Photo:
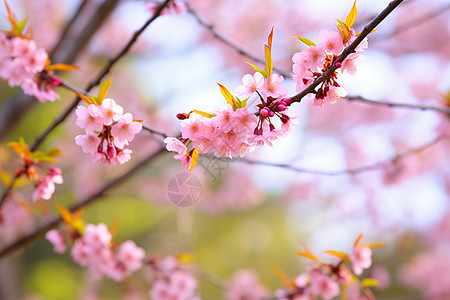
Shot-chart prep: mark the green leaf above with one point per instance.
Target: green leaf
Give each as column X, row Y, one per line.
column 17, row 30
column 258, row 69
column 241, row 103
column 368, row 282
column 53, row 152
column 306, row 41
column 351, row 16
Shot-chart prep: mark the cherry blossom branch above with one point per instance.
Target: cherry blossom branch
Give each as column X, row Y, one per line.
column 354, row 171
column 40, row 230
column 99, row 77
column 62, row 117
column 229, row 43
column 348, row 50
column 361, row 99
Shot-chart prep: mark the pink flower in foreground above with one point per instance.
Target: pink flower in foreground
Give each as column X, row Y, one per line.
column 322, row 285
column 331, row 42
column 361, row 258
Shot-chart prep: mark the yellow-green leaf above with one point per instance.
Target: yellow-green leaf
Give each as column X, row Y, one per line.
column 351, row 16
column 53, row 152
column 5, row 178
column 230, row 99
column 194, row 159
column 11, row 17
column 269, row 62
column 338, row 254
column 308, row 255
column 19, row 148
column 63, row 67
column 114, row 229
column 360, row 237
column 201, row 113
column 83, row 97
column 65, row 214
column 269, row 39
column 306, row 41
column 376, row 245
column 258, row 69
column 104, row 87
column 368, row 282
column 284, row 279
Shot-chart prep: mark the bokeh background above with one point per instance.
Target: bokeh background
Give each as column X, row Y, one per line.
column 248, row 215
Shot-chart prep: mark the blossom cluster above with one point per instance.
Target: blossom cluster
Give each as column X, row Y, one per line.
column 108, row 131
column 33, row 169
column 324, row 279
column 171, row 281
column 317, row 59
column 173, row 8
column 236, row 130
column 45, row 186
column 24, row 64
column 95, row 250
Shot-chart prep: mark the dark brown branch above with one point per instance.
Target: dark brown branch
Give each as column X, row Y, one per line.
column 224, row 40
column 444, row 110
column 348, row 50
column 39, row 231
column 354, row 171
column 66, row 29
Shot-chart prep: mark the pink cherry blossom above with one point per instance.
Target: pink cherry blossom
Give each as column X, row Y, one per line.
column 250, row 84
column 273, row 87
column 88, row 142
column 245, row 284
column 111, row 111
column 361, row 258
column 45, row 93
column 125, row 129
column 90, row 118
column 322, row 285
column 57, row 240
column 331, row 42
column 350, row 64
column 46, row 187
column 127, row 260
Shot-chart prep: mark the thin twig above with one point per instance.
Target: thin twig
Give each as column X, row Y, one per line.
column 40, row 230
column 348, row 50
column 361, row 99
column 66, row 29
column 415, row 22
column 354, row 171
column 226, row 41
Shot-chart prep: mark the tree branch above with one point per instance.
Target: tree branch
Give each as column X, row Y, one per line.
column 361, row 99
column 100, row 193
column 354, row 171
column 348, row 50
